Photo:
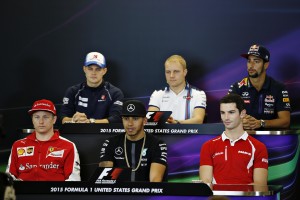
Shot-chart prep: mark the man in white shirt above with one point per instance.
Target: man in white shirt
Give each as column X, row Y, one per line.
column 186, row 102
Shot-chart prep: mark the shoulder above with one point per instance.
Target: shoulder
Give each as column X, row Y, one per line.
column 116, row 138
column 195, row 89
column 154, row 139
column 275, row 83
column 160, row 91
column 214, row 140
column 75, row 88
column 20, row 141
column 255, row 141
column 112, row 87
column 66, row 141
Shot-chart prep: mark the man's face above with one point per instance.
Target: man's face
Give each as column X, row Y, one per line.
column 94, row 75
column 43, row 121
column 230, row 115
column 175, row 74
column 255, row 66
column 134, row 126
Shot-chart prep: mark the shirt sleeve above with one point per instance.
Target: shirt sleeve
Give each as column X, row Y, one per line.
column 200, row 99
column 107, row 152
column 116, row 107
column 155, row 99
column 283, row 102
column 160, row 153
column 233, row 89
column 68, row 106
column 72, row 165
column 261, row 157
column 205, row 154
column 12, row 164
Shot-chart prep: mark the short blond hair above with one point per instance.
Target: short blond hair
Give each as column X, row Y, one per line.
column 176, row 58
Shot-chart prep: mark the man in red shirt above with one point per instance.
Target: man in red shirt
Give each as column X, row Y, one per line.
column 234, row 157
column 44, row 155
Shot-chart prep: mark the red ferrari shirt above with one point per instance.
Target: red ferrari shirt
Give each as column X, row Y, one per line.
column 54, row 160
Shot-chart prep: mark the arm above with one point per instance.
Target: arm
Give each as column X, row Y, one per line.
column 153, row 108
column 78, row 117
column 72, row 165
column 282, row 121
column 107, row 154
column 198, row 109
column 157, row 172
column 260, row 176
column 11, row 168
column 197, row 117
column 116, row 107
column 68, row 107
column 206, row 173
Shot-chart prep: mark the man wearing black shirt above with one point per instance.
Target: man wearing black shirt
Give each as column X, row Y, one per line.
column 144, row 153
column 266, row 100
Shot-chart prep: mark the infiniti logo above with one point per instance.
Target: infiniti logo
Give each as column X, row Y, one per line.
column 118, row 151
column 245, row 94
column 130, row 108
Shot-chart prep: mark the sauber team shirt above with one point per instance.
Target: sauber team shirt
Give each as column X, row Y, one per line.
column 265, row 104
column 234, row 161
column 53, row 160
column 102, row 102
column 155, row 151
column 181, row 105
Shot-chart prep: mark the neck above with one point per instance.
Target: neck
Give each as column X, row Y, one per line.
column 235, row 133
column 136, row 137
column 94, row 85
column 44, row 136
column 178, row 89
column 258, row 82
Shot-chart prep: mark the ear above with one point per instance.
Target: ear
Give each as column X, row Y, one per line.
column 185, row 71
column 104, row 70
column 266, row 65
column 243, row 113
column 54, row 119
column 145, row 120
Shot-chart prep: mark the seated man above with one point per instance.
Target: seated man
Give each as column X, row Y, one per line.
column 186, row 102
column 44, row 155
column 266, row 100
column 144, row 153
column 234, row 157
column 94, row 100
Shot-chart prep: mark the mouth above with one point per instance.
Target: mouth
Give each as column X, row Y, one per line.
column 227, row 123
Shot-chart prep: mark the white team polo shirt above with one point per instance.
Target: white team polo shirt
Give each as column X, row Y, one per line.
column 181, row 105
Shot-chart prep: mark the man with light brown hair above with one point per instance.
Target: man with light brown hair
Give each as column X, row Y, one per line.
column 186, row 102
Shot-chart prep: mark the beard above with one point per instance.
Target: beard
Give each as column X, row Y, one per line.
column 253, row 75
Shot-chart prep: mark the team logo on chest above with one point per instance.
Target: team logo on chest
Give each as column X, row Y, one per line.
column 118, row 151
column 55, row 152
column 25, row 151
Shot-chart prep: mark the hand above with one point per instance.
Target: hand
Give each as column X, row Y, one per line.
column 80, row 118
column 250, row 122
column 171, row 120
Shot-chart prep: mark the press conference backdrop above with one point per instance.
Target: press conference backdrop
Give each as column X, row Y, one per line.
column 43, row 45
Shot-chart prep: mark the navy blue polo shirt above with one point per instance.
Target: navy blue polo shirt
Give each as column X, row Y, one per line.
column 104, row 101
column 266, row 103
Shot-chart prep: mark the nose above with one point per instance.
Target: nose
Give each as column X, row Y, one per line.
column 130, row 120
